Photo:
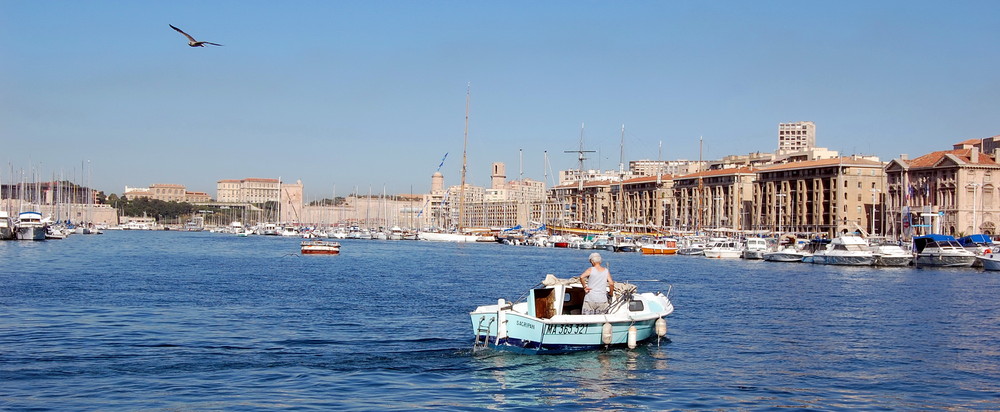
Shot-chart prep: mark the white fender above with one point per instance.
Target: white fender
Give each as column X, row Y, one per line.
column 606, row 334
column 661, row 327
column 631, row 337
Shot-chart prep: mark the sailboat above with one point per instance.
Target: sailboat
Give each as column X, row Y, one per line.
column 459, row 236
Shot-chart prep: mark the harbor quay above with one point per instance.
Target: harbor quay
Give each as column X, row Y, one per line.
column 799, row 188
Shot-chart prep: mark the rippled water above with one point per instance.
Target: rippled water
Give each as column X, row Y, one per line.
column 169, row 320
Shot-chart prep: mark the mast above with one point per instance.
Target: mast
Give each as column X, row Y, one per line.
column 579, row 190
column 621, row 178
column 465, row 147
column 545, row 172
column 520, row 166
column 697, row 224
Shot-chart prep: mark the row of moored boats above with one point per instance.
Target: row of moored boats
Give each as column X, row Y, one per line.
column 846, row 250
column 31, row 226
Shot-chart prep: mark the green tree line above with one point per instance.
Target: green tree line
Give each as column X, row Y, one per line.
column 143, row 206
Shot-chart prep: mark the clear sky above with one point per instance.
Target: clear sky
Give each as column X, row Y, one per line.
column 345, row 94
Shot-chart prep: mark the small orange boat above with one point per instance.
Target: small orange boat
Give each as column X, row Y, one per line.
column 661, row 246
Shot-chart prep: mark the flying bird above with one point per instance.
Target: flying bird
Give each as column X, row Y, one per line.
column 191, row 41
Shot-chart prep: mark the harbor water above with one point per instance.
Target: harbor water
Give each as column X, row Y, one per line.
column 200, row 321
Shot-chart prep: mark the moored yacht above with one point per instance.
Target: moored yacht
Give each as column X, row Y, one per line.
column 661, row 246
column 754, row 248
column 30, row 226
column 724, row 249
column 691, row 246
column 6, row 226
column 890, row 254
column 787, row 253
column 846, row 250
column 941, row 251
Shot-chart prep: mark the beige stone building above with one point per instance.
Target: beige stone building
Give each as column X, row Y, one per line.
column 951, row 192
column 587, row 205
column 828, row 196
column 648, row 202
column 166, row 193
column 713, row 200
column 249, row 190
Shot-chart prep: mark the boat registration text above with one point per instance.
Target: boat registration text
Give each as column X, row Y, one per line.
column 567, row 329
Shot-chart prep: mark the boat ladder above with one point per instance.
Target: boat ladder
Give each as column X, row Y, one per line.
column 483, row 334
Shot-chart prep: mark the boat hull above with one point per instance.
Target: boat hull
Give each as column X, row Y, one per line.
column 783, row 257
column 893, row 260
column 531, row 336
column 844, row 260
column 753, row 254
column 723, row 254
column 31, row 233
column 320, row 248
column 990, row 261
column 659, row 251
column 446, row 237
column 943, row 260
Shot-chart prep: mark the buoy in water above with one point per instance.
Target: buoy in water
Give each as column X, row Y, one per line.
column 606, row 333
column 631, row 337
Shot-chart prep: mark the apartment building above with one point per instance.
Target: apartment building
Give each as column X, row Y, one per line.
column 796, row 136
column 826, row 196
column 713, row 200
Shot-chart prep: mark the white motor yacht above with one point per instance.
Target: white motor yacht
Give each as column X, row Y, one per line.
column 941, row 251
column 846, row 250
column 724, row 249
column 754, row 248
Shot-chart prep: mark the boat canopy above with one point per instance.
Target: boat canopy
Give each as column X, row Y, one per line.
column 921, row 242
column 972, row 240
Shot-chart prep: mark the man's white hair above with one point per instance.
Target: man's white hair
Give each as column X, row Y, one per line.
column 595, row 257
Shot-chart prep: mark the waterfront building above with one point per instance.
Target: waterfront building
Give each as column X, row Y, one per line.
column 197, row 197
column 717, row 200
column 637, row 204
column 167, row 193
column 950, row 192
column 827, row 196
column 648, row 202
column 588, row 205
column 796, row 136
column 249, row 190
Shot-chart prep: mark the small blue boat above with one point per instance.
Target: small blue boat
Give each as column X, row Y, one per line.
column 549, row 320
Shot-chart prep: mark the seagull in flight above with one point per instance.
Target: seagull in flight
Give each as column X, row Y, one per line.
column 191, row 41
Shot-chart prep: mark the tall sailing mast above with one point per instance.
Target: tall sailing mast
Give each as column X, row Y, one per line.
column 621, row 180
column 465, row 147
column 579, row 190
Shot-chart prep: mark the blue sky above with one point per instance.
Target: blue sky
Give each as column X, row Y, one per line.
column 371, row 94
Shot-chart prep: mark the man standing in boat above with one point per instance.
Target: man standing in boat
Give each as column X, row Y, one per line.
column 596, row 280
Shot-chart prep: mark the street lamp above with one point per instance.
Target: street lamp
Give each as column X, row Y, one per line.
column 718, row 212
column 974, row 187
column 781, row 205
column 874, row 194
